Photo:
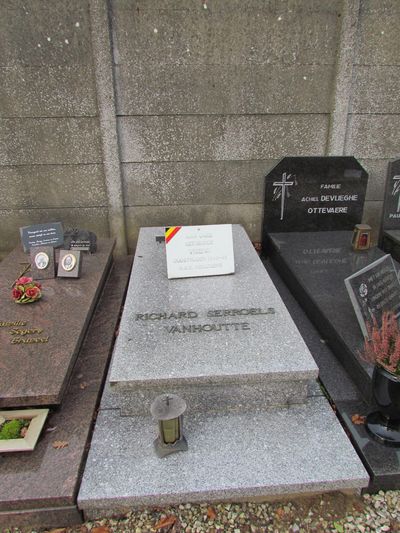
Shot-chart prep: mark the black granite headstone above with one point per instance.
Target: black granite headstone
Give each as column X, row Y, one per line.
column 373, row 290
column 50, row 234
column 391, row 206
column 314, row 194
column 80, row 239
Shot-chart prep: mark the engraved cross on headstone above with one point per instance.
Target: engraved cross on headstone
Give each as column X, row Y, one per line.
column 396, row 190
column 282, row 190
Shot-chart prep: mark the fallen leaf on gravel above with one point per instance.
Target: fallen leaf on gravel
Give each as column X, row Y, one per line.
column 211, row 514
column 59, row 530
column 164, row 522
column 358, row 419
column 280, row 513
column 59, row 444
column 101, row 529
column 83, row 385
column 338, row 527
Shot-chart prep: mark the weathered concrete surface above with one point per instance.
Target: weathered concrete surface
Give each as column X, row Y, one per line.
column 94, row 219
column 376, row 89
column 57, row 91
column 51, row 186
column 42, row 141
column 219, row 137
column 219, row 89
column 248, row 215
column 195, row 182
column 377, row 170
column 374, row 136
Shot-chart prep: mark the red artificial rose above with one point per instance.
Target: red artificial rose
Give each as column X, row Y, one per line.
column 38, row 285
column 16, row 294
column 32, row 292
column 23, row 281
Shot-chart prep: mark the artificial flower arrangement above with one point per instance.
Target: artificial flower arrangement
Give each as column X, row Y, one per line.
column 26, row 291
column 383, row 346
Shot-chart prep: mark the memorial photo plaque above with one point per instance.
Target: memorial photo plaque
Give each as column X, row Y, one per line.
column 69, row 264
column 314, row 194
column 51, row 234
column 373, row 290
column 42, row 262
column 80, row 239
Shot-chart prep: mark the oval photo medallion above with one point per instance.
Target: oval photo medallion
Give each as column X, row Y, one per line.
column 41, row 260
column 68, row 262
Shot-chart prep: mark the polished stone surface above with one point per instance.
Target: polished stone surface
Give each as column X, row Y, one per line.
column 391, row 243
column 39, row 488
column 63, row 313
column 256, row 347
column 231, row 455
column 382, row 462
column 391, row 203
column 314, row 194
column 314, row 265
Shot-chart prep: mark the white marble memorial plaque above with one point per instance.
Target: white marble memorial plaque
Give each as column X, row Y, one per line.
column 194, row 251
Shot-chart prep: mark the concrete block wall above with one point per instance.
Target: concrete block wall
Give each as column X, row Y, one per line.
column 148, row 112
column 50, row 141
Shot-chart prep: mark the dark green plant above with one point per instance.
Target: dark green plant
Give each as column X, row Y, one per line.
column 12, row 429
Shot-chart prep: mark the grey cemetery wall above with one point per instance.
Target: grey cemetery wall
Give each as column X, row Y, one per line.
column 314, row 194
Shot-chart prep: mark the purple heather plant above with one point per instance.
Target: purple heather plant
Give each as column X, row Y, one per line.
column 383, row 346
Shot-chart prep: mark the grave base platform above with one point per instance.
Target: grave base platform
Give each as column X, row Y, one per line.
column 231, row 456
column 39, row 488
column 304, row 301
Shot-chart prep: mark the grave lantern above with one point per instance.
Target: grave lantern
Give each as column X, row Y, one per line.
column 168, row 410
column 361, row 237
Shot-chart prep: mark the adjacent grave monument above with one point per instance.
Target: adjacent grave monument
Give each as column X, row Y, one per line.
column 390, row 227
column 314, row 256
column 227, row 346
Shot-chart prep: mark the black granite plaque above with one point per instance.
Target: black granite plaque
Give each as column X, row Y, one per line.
column 391, row 206
column 314, row 194
column 43, row 264
column 50, row 234
column 373, row 290
column 80, row 239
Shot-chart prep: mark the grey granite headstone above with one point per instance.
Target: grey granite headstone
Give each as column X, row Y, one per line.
column 314, row 194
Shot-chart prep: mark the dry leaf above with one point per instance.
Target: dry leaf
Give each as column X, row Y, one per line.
column 358, row 419
column 164, row 522
column 101, row 529
column 59, row 444
column 211, row 514
column 280, row 513
column 59, row 530
column 83, row 385
column 23, row 431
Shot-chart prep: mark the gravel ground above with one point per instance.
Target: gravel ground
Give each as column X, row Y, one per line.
column 325, row 513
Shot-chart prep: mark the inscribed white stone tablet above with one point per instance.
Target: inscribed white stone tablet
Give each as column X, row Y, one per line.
column 194, row 251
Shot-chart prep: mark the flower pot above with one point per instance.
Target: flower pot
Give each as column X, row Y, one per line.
column 384, row 425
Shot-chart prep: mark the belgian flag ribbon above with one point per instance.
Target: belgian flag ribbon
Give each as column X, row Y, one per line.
column 171, row 232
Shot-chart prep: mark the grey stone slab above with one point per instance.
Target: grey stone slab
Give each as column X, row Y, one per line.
column 52, row 186
column 234, row 396
column 215, row 137
column 49, row 141
column 159, row 89
column 281, row 451
column 375, row 89
column 34, row 34
column 94, row 219
column 194, row 182
column 148, row 354
column 229, row 32
column 378, row 40
column 249, row 215
column 47, row 92
column 374, row 136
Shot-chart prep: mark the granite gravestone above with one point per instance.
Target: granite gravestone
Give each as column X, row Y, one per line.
column 314, row 194
column 51, row 234
column 373, row 290
column 391, row 206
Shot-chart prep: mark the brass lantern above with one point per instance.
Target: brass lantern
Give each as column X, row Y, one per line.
column 168, row 410
column 361, row 237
